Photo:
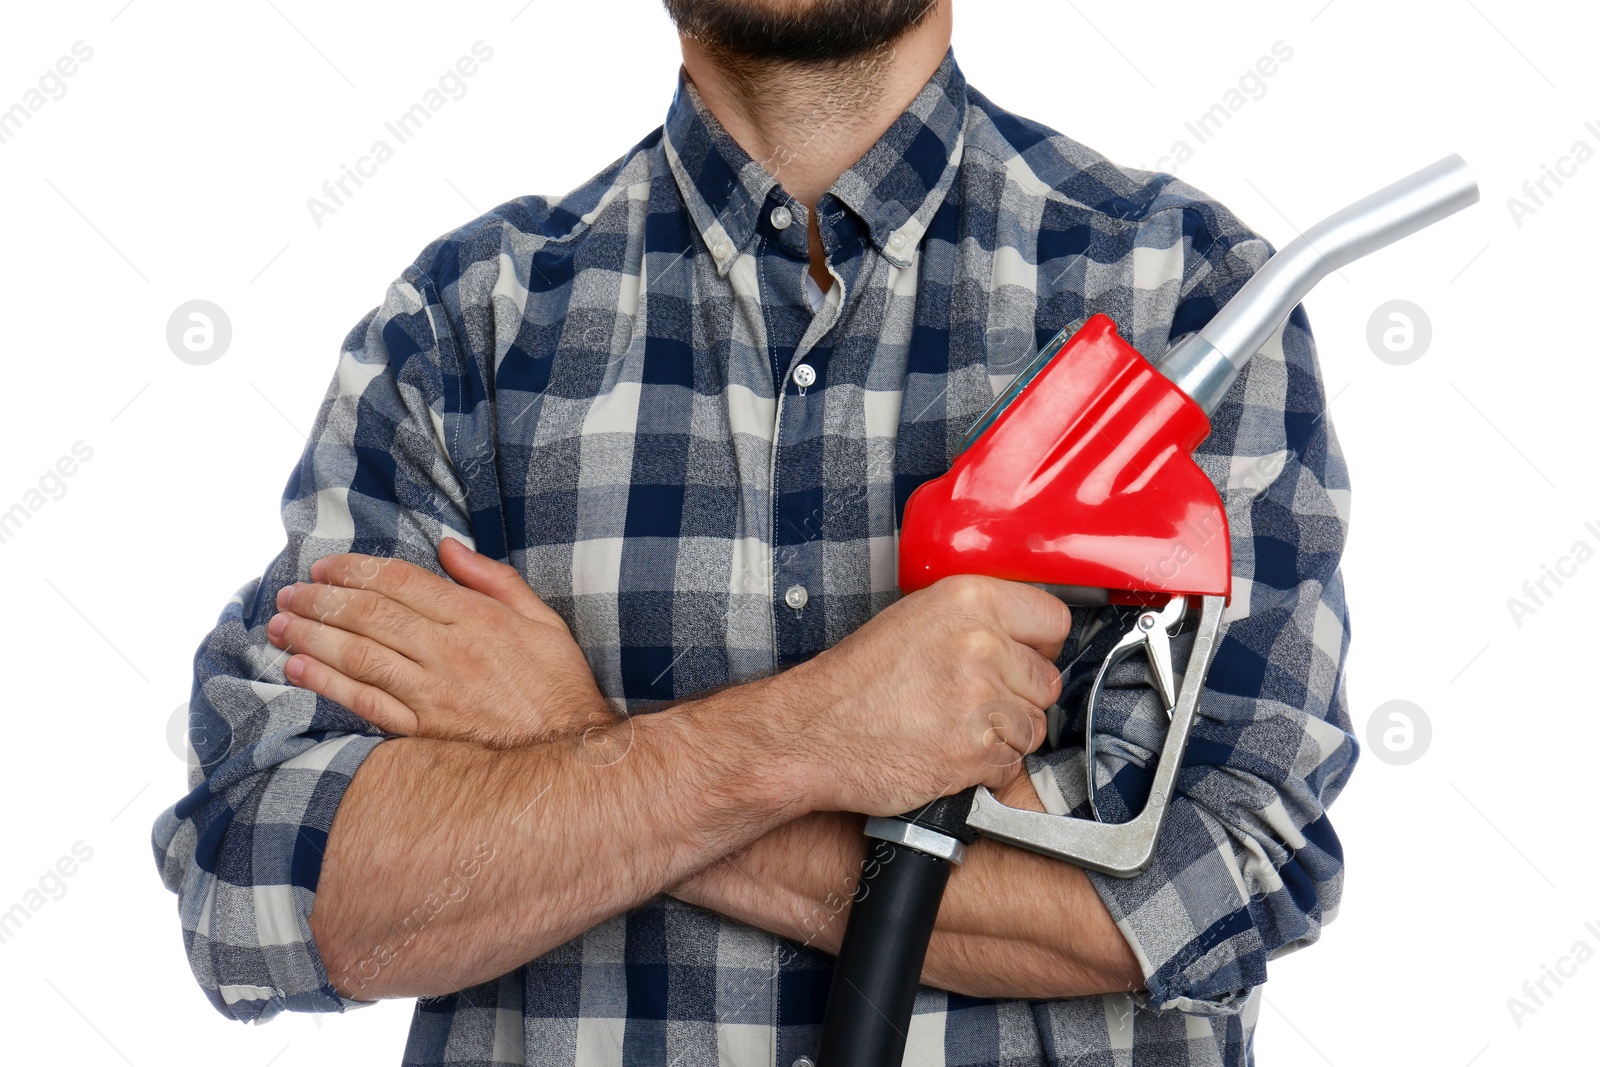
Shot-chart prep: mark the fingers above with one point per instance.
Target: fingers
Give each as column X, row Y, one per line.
column 494, row 578
column 369, row 702
column 365, row 612
column 1011, row 730
column 1024, row 613
column 428, row 594
column 1027, row 674
column 1031, row 616
column 1001, row 776
column 358, row 658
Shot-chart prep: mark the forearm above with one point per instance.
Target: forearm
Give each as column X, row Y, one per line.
column 1019, row 925
column 1013, row 924
column 449, row 864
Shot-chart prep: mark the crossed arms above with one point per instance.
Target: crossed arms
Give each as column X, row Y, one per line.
column 317, row 817
column 513, row 748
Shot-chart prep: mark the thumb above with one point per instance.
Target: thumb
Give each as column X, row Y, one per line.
column 495, row 579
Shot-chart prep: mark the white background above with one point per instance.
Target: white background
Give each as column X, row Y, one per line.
column 177, row 166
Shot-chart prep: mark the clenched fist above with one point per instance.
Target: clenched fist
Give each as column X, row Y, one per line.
column 939, row 691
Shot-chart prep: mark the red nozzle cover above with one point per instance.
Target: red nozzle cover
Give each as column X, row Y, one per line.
column 1087, row 479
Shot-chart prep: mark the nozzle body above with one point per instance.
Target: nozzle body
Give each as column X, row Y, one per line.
column 1085, row 482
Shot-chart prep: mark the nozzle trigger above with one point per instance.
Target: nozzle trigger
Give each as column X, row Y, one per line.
column 1151, row 632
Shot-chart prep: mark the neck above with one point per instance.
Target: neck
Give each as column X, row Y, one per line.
column 807, row 124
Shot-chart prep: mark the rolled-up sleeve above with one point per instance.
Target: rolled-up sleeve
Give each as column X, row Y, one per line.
column 269, row 761
column 1247, row 866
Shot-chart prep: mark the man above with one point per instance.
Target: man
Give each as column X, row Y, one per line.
column 677, row 414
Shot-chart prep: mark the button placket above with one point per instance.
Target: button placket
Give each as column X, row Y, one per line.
column 798, row 517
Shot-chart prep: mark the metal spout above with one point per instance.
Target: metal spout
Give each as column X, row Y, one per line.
column 1205, row 364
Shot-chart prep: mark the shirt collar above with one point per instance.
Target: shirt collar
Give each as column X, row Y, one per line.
column 895, row 188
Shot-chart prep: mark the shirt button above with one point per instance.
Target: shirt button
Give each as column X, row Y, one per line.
column 721, row 249
column 804, row 376
column 898, row 241
column 796, row 597
column 782, row 217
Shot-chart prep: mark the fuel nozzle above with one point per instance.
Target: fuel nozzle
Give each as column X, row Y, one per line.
column 1081, row 479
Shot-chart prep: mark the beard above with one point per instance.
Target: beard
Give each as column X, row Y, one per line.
column 815, row 33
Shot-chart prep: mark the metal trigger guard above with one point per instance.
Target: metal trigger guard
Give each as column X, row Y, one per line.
column 1119, row 849
column 1151, row 634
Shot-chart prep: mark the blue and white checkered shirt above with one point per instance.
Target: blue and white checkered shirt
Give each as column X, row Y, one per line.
column 604, row 389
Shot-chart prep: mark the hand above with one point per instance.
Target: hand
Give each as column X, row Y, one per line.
column 415, row 654
column 939, row 691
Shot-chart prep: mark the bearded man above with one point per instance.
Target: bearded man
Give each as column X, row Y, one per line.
column 562, row 705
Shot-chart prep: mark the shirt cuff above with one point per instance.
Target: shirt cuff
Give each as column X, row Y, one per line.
column 1187, row 918
column 252, row 946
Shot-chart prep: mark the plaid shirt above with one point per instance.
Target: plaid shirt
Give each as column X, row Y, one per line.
column 601, row 388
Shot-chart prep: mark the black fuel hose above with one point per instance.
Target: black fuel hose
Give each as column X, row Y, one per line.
column 885, row 943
